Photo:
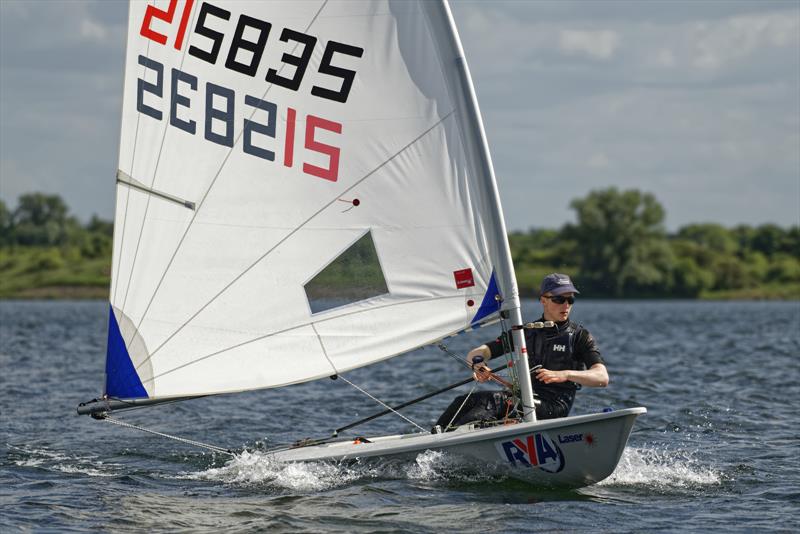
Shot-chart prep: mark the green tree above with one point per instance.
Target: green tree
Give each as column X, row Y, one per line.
column 791, row 242
column 784, row 268
column 544, row 247
column 93, row 241
column 99, row 226
column 5, row 225
column 756, row 264
column 714, row 237
column 40, row 220
column 538, row 252
column 731, row 273
column 621, row 243
column 743, row 235
column 768, row 239
column 690, row 279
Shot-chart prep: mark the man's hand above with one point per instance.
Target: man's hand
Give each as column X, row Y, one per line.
column 481, row 372
column 475, row 359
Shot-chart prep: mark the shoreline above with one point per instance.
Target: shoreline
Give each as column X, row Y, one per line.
column 101, row 293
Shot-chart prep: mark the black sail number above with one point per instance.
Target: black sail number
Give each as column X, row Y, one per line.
column 256, row 49
column 216, row 37
column 300, row 62
column 347, row 76
column 244, row 55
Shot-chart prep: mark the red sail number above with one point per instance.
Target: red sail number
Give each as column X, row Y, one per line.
column 166, row 16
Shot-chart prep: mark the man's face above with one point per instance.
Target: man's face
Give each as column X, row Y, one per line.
column 554, row 311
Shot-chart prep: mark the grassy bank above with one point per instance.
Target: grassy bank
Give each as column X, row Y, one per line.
column 61, row 292
column 789, row 291
column 618, row 248
column 52, row 273
column 40, row 276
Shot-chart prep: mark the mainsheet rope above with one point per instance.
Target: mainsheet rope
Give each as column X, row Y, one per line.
column 382, row 403
column 509, row 361
column 466, row 398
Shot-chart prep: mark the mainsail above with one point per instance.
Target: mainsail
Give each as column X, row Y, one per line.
column 303, row 189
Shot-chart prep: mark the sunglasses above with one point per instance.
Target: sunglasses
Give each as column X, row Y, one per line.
column 558, row 299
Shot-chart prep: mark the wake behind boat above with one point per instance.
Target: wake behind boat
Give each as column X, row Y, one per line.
column 305, row 188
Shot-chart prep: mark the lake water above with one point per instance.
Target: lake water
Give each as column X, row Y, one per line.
column 718, row 451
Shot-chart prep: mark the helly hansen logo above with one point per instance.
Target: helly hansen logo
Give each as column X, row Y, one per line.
column 560, row 348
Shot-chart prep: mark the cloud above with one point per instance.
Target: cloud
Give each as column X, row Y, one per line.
column 698, row 106
column 67, row 35
column 93, row 31
column 498, row 40
column 719, row 45
column 598, row 160
column 664, row 57
column 598, row 44
column 60, row 92
column 693, row 101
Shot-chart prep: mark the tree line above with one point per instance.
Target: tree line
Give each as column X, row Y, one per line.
column 618, row 248
column 46, row 252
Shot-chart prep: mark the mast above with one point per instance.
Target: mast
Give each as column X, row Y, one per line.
column 504, row 263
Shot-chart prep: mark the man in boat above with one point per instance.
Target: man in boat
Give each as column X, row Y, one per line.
column 566, row 355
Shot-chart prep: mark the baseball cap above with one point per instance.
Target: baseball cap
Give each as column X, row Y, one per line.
column 557, row 284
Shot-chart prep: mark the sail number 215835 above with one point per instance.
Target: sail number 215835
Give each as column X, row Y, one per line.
column 221, row 105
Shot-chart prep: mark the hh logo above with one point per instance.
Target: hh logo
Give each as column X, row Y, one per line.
column 560, row 348
column 534, row 450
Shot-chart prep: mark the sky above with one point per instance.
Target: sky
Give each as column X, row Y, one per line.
column 696, row 102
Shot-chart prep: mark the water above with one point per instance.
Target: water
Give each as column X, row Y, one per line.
column 718, row 450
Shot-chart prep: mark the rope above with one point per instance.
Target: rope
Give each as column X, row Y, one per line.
column 511, row 405
column 450, row 353
column 504, row 339
column 505, row 333
column 382, row 403
column 200, row 444
column 466, row 398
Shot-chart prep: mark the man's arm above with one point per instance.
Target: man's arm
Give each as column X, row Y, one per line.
column 596, row 376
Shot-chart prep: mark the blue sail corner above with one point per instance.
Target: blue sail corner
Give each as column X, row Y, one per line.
column 489, row 305
column 122, row 380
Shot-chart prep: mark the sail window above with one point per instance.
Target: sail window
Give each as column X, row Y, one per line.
column 353, row 276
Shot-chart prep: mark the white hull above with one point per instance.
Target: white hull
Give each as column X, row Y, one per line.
column 568, row 452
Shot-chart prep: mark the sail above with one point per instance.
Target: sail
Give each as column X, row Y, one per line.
column 303, row 189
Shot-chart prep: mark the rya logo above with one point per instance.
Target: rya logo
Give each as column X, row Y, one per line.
column 560, row 348
column 533, row 450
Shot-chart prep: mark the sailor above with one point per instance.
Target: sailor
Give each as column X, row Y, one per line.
column 565, row 351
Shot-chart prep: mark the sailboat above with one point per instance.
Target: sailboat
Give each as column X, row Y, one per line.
column 303, row 189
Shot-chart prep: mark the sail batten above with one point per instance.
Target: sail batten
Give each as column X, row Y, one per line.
column 123, row 178
column 297, row 129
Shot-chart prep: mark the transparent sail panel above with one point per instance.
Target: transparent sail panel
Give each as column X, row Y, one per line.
column 354, row 276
